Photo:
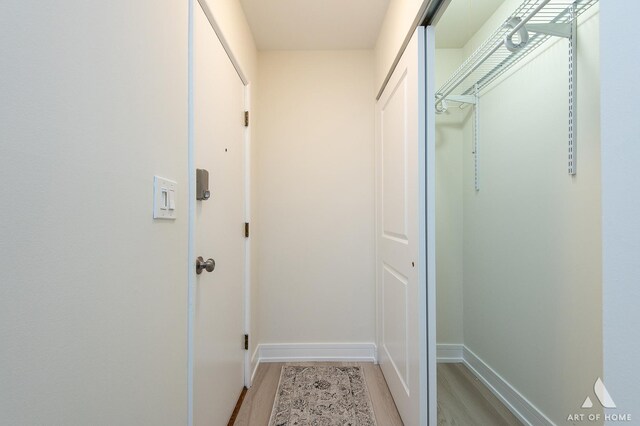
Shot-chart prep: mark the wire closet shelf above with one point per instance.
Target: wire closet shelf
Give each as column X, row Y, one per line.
column 533, row 22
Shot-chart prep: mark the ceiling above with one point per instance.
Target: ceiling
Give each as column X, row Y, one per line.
column 461, row 20
column 315, row 24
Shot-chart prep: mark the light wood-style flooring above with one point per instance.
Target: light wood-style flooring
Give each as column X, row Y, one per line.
column 462, row 399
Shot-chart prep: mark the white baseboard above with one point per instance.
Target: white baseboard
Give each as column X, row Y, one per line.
column 520, row 406
column 301, row 352
column 449, row 352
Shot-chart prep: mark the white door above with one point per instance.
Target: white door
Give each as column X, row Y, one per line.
column 402, row 259
column 218, row 361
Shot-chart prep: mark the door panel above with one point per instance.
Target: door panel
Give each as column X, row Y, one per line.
column 394, row 167
column 219, row 307
column 395, row 326
column 401, row 259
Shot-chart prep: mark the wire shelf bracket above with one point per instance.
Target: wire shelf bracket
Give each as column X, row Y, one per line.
column 476, row 138
column 533, row 23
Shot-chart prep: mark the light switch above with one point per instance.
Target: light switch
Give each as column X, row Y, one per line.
column 164, row 198
column 172, row 200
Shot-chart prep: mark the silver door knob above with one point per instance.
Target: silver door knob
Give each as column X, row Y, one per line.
column 202, row 264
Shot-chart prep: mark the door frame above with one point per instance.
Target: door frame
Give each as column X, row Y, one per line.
column 427, row 176
column 191, row 251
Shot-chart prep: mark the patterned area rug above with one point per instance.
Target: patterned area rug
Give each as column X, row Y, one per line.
column 322, row 396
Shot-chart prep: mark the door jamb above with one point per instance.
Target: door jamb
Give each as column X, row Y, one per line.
column 247, row 241
column 426, row 84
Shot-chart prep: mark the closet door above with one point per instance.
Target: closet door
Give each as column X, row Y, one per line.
column 401, row 259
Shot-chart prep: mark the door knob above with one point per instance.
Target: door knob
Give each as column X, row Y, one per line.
column 202, row 264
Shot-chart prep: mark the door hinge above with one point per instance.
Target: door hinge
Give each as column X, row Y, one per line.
column 246, row 342
column 246, row 119
column 246, row 229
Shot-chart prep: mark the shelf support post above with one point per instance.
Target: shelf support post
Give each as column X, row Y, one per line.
column 476, row 137
column 573, row 86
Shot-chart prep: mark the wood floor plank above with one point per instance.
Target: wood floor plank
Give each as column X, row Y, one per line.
column 384, row 407
column 499, row 408
column 450, row 410
column 258, row 403
column 464, row 401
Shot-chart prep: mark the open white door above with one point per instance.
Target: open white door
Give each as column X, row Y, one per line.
column 404, row 260
column 218, row 317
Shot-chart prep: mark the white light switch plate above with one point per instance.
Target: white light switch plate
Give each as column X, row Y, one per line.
column 165, row 192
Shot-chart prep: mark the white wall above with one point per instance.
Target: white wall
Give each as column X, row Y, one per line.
column 395, row 27
column 95, row 104
column 93, row 293
column 532, row 243
column 449, row 208
column 620, row 204
column 316, row 171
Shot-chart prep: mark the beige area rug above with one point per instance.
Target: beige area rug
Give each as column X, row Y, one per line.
column 322, row 396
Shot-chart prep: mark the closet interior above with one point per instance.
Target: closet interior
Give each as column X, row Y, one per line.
column 518, row 203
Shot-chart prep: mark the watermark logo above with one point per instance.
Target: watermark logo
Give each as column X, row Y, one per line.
column 602, row 394
column 605, row 400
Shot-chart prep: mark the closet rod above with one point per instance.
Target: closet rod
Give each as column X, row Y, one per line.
column 487, row 55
